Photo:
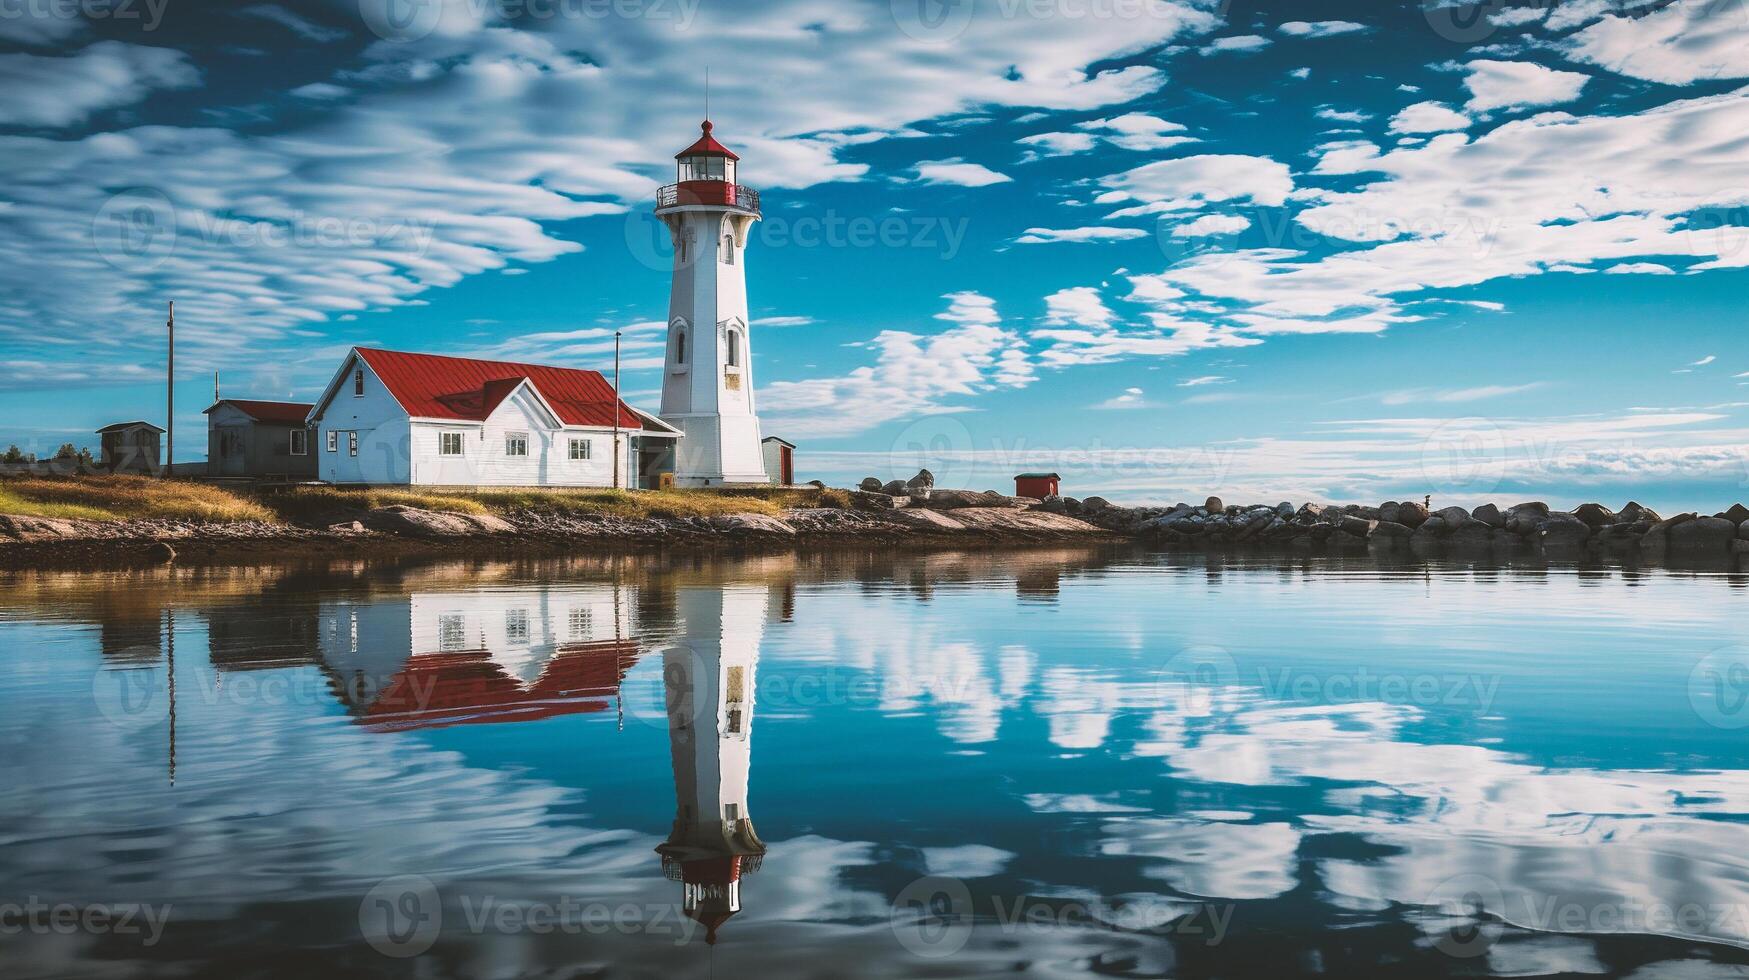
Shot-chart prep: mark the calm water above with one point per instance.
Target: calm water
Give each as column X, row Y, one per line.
column 1055, row 763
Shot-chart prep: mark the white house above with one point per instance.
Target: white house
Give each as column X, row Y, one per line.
column 391, row 417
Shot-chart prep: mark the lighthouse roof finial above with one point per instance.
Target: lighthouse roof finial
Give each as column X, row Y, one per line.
column 707, row 145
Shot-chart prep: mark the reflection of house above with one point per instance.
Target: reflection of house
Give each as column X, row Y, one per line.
column 709, row 687
column 434, row 659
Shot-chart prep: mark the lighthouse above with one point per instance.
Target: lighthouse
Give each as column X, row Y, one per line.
column 708, row 686
column 707, row 377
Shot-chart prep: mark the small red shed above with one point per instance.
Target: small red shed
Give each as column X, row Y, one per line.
column 1039, row 485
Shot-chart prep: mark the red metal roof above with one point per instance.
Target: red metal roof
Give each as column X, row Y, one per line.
column 277, row 413
column 465, row 389
column 707, row 146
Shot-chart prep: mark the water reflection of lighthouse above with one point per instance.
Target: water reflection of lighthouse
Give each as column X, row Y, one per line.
column 708, row 686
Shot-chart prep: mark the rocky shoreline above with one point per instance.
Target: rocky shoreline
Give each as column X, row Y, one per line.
column 904, row 514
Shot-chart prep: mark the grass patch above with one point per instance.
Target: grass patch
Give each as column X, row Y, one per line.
column 116, row 498
column 301, row 502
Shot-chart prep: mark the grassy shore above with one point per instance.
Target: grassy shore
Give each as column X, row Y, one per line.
column 116, row 498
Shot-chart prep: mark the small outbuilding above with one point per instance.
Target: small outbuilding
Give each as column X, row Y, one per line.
column 1039, row 485
column 780, row 460
column 259, row 439
column 130, row 447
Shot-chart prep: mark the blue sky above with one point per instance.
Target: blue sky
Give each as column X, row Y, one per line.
column 1338, row 251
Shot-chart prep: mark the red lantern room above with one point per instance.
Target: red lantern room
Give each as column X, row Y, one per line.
column 1039, row 485
column 705, row 175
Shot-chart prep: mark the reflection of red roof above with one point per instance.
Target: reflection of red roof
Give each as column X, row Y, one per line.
column 437, row 690
column 707, row 146
column 274, row 413
column 466, row 389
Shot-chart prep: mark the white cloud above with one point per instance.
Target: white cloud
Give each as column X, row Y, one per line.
column 1677, row 44
column 1058, row 144
column 1343, row 115
column 1517, row 16
column 1212, row 224
column 1300, row 73
column 1079, row 305
column 1206, row 379
column 1428, row 117
column 52, row 91
column 455, row 137
column 1321, row 28
column 1137, row 131
column 1047, row 236
column 297, row 24
column 1455, row 395
column 959, row 173
column 1703, row 362
column 1189, row 181
column 40, row 26
column 1640, row 268
column 1129, row 398
column 1240, row 43
column 913, row 374
column 1518, row 85
column 783, row 321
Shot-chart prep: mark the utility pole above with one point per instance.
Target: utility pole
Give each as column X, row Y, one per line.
column 170, row 398
column 616, row 409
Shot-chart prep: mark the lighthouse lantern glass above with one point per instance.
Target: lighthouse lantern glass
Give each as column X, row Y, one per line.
column 707, row 168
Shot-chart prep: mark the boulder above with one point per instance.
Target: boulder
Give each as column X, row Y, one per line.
column 895, row 488
column 1285, row 509
column 1094, row 505
column 1390, row 531
column 1343, row 541
column 1411, row 514
column 401, row 519
column 760, row 524
column 874, row 500
column 1595, row 515
column 924, row 480
column 927, row 520
column 954, row 499
column 1633, row 513
column 1737, row 514
column 1536, row 507
column 870, row 484
column 1564, row 534
column 1703, row 535
column 1071, row 505
column 1213, row 505
column 1053, row 504
column 1743, row 530
column 1472, row 534
column 1388, row 511
column 160, row 553
column 1740, row 546
column 1357, row 526
column 1454, row 516
column 1433, row 525
column 1490, row 515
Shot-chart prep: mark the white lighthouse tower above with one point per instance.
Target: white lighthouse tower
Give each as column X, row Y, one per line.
column 707, row 381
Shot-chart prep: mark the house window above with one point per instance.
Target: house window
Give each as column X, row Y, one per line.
column 728, row 249
column 452, row 632
column 449, row 443
column 516, row 625
column 352, row 444
column 333, row 440
column 579, row 620
column 580, row 448
column 300, row 442
column 516, row 444
column 358, row 383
